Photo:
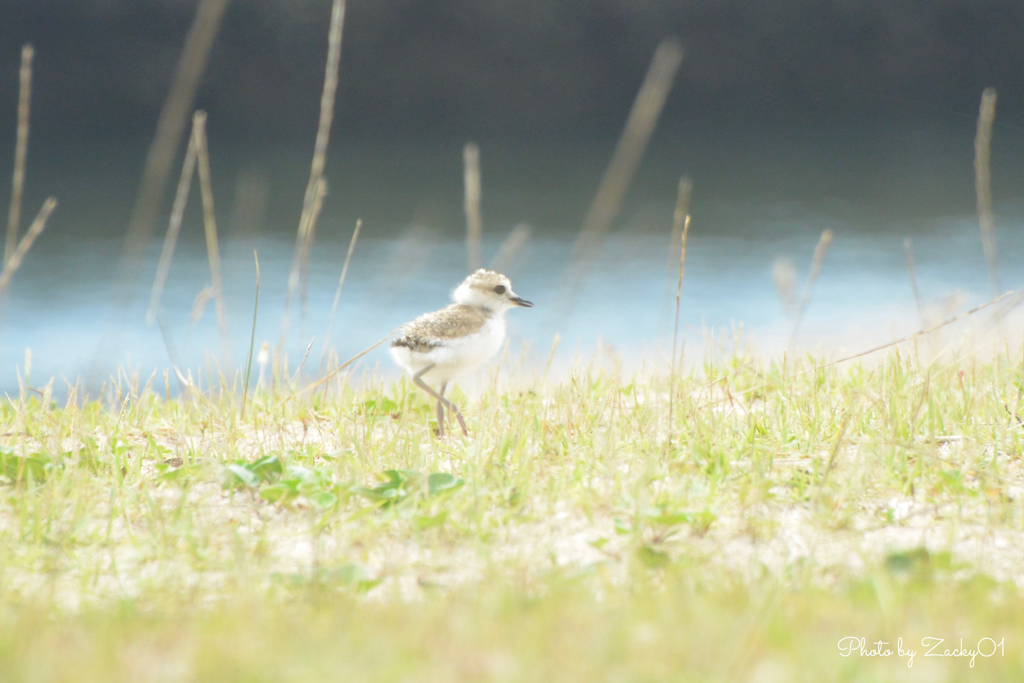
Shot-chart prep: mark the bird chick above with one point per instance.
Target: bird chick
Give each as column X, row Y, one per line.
column 442, row 345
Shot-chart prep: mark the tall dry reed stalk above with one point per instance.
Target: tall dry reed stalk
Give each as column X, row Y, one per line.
column 170, row 127
column 680, row 225
column 812, row 277
column 983, row 184
column 643, row 118
column 784, row 277
column 159, row 161
column 474, row 216
column 303, row 243
column 673, row 248
column 337, row 293
column 318, row 203
column 173, row 228
column 510, row 248
column 20, row 151
column 252, row 192
column 14, row 262
column 210, row 226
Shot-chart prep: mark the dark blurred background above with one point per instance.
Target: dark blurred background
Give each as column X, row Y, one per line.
column 806, row 100
column 529, row 69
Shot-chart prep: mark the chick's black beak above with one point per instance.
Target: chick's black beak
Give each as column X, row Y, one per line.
column 519, row 301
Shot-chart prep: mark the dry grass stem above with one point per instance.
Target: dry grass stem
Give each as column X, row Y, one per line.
column 551, row 357
column 784, row 277
column 318, row 203
column 157, row 169
column 923, row 332
column 252, row 194
column 836, row 448
column 169, row 130
column 14, row 262
column 205, row 296
column 252, row 339
column 918, row 301
column 20, row 151
column 337, row 292
column 673, row 248
column 680, row 225
column 331, row 375
column 983, row 183
column 628, row 152
column 173, row 229
column 812, row 277
column 510, row 248
column 295, row 376
column 303, row 243
column 895, row 342
column 679, row 220
column 210, row 226
column 474, row 217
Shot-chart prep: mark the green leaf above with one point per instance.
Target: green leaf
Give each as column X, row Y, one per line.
column 119, row 446
column 412, row 477
column 19, row 468
column 917, row 561
column 376, row 495
column 700, row 521
column 669, row 518
column 387, row 493
column 395, row 479
column 345, row 573
column 267, row 468
column 655, row 559
column 441, row 482
column 366, row 585
column 300, row 473
column 381, row 406
column 239, row 475
column 278, row 493
column 423, row 522
column 323, row 499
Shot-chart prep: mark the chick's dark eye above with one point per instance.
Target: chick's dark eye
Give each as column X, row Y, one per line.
column 500, row 289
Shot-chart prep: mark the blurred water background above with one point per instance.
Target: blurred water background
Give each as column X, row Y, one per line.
column 791, row 120
column 413, row 253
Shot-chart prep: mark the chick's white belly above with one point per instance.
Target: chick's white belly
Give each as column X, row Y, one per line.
column 455, row 356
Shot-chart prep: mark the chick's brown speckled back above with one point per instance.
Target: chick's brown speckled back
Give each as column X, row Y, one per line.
column 452, row 322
